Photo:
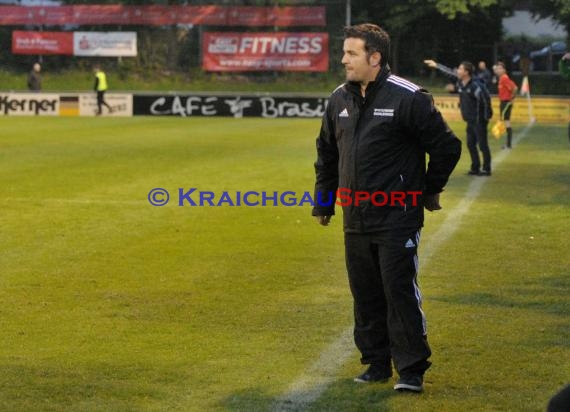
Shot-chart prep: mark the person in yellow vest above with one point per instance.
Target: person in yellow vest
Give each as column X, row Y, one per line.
column 100, row 88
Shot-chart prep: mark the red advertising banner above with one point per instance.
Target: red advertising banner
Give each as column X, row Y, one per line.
column 121, row 43
column 247, row 16
column 163, row 15
column 271, row 51
column 17, row 15
column 201, row 15
column 55, row 16
column 152, row 15
column 297, row 16
column 45, row 42
column 100, row 14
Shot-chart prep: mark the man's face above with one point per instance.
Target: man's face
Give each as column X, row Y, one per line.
column 499, row 70
column 462, row 74
column 359, row 68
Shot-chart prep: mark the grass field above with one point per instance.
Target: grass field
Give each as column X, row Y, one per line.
column 82, row 80
column 111, row 304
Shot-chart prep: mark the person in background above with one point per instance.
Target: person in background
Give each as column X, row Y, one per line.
column 100, row 88
column 475, row 106
column 507, row 93
column 484, row 74
column 560, row 402
column 35, row 78
column 564, row 68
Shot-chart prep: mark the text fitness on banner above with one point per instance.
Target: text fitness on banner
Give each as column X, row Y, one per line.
column 265, row 51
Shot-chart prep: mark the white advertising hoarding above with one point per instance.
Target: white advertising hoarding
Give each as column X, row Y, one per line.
column 121, row 105
column 119, row 43
column 29, row 104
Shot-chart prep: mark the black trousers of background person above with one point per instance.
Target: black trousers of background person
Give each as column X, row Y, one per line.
column 477, row 136
column 389, row 321
column 101, row 102
column 506, row 107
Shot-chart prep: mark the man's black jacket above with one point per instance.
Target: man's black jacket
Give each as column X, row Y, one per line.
column 379, row 143
column 474, row 107
column 474, row 97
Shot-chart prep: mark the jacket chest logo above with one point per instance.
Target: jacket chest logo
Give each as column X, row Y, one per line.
column 384, row 112
column 344, row 113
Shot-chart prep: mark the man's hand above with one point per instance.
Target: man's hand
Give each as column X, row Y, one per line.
column 431, row 63
column 566, row 56
column 431, row 202
column 323, row 220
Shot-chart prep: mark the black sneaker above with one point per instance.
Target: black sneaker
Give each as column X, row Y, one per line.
column 485, row 173
column 375, row 373
column 410, row 383
column 473, row 173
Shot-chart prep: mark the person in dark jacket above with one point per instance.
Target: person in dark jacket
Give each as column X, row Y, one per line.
column 484, row 74
column 35, row 79
column 560, row 402
column 375, row 133
column 475, row 105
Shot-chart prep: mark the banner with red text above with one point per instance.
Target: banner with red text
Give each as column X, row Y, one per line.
column 158, row 15
column 79, row 43
column 265, row 52
column 42, row 42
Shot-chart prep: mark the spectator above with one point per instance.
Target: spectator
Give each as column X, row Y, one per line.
column 484, row 74
column 100, row 88
column 35, row 79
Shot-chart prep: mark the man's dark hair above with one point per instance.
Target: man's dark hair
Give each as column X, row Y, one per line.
column 375, row 39
column 468, row 66
column 500, row 63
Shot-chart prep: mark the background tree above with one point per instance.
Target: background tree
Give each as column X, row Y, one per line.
column 557, row 9
column 447, row 30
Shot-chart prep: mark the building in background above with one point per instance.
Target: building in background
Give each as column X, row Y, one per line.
column 540, row 43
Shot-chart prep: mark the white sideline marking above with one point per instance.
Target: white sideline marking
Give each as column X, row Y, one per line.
column 310, row 385
column 453, row 219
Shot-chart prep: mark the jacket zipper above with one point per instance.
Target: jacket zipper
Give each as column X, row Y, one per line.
column 356, row 139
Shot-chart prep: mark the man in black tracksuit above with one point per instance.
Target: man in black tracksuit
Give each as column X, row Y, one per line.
column 475, row 105
column 375, row 134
